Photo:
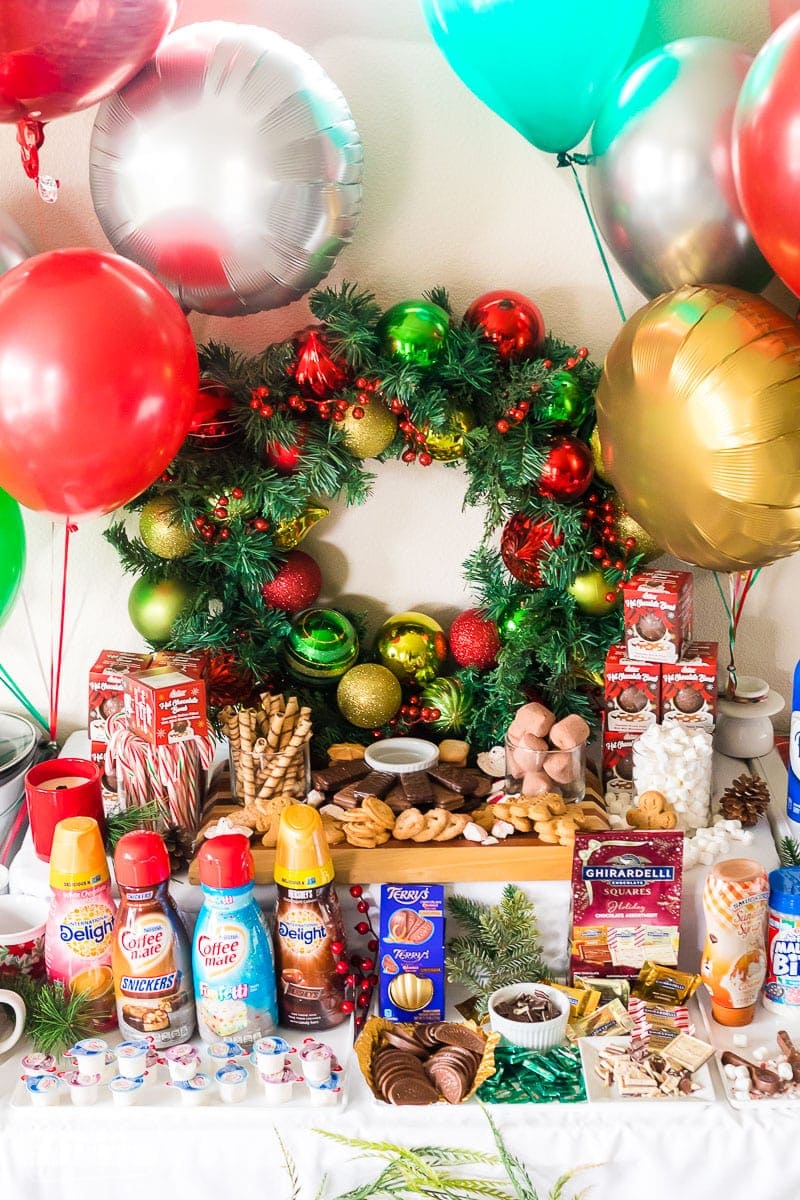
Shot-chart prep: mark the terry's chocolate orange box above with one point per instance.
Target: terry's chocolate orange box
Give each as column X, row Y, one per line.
column 632, row 692
column 165, row 706
column 626, row 889
column 412, row 952
column 689, row 687
column 657, row 611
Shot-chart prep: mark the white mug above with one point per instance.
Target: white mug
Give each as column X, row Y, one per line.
column 17, row 1005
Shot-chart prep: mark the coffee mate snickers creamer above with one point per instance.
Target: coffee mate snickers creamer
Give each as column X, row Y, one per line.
column 308, row 921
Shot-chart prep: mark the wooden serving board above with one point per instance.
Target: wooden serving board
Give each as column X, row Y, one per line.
column 520, row 858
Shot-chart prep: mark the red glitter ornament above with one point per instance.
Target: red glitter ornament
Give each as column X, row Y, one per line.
column 214, row 425
column 523, row 543
column 316, row 372
column 297, row 584
column 510, row 321
column 474, row 640
column 568, row 469
column 284, row 459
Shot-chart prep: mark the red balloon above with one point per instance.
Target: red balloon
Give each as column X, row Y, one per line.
column 98, row 381
column 765, row 158
column 568, row 469
column 781, row 10
column 59, row 56
column 510, row 321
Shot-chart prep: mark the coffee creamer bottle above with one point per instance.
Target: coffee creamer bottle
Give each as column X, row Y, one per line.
column 734, row 959
column 77, row 940
column 308, row 921
column 232, row 961
column 151, row 953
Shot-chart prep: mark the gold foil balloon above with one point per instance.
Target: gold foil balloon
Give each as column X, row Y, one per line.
column 290, row 533
column 625, row 527
column 597, row 455
column 413, row 646
column 368, row 696
column 446, row 445
column 162, row 530
column 368, row 436
column 591, row 590
column 698, row 410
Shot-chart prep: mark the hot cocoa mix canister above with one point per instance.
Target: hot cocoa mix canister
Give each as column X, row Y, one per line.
column 308, row 921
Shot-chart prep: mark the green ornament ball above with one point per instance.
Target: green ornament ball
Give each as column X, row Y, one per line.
column 413, row 646
column 161, row 528
column 414, row 331
column 447, row 696
column 368, row 696
column 565, row 400
column 320, row 646
column 154, row 607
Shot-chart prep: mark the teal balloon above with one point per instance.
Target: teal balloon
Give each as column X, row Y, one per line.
column 12, row 553
column 544, row 66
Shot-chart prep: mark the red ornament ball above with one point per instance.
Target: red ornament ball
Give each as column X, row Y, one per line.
column 228, row 681
column 284, row 459
column 568, row 469
column 297, row 584
column 523, row 543
column 316, row 372
column 474, row 640
column 214, row 424
column 510, row 321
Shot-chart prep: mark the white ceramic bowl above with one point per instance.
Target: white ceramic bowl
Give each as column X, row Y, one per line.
column 402, row 756
column 533, row 1035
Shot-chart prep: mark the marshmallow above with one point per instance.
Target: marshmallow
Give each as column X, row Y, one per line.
column 562, row 766
column 536, row 783
column 569, row 733
column 675, row 759
column 531, row 718
column 528, row 754
column 785, row 1071
column 740, row 1039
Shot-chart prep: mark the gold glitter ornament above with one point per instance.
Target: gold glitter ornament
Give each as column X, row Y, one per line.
column 162, row 530
column 625, row 527
column 368, row 436
column 368, row 696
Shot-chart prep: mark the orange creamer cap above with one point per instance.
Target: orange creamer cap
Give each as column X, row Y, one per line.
column 302, row 856
column 78, row 858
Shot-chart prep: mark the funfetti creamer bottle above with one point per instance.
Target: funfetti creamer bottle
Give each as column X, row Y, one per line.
column 232, row 962
column 308, row 924
column 151, row 954
column 77, row 940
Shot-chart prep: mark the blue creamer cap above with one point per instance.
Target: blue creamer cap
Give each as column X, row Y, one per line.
column 784, row 890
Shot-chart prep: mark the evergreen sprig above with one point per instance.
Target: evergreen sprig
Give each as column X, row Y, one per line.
column 500, row 944
column 55, row 1018
column 789, row 852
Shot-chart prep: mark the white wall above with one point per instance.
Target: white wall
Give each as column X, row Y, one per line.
column 453, row 196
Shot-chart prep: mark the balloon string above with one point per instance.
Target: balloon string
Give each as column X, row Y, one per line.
column 56, row 673
column 20, row 697
column 569, row 160
column 739, row 587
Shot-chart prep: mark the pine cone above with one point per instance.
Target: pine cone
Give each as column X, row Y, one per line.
column 180, row 847
column 745, row 800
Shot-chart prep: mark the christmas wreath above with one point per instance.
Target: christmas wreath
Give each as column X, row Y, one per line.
column 277, row 435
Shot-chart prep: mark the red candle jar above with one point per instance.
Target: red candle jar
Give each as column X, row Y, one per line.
column 59, row 788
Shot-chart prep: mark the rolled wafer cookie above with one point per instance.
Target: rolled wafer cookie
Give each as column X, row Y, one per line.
column 247, row 775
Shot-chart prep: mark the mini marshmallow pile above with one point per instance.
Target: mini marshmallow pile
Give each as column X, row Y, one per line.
column 711, row 842
column 739, row 1075
column 675, row 760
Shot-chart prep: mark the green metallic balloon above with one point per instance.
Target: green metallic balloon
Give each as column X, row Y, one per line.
column 12, row 552
column 544, row 67
column 321, row 645
column 413, row 646
column 155, row 607
column 566, row 400
column 413, row 330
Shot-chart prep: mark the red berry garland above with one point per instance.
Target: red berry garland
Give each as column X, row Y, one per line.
column 357, row 968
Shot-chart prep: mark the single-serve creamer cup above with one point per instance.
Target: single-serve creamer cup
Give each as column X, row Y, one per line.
column 316, row 1059
column 223, row 1051
column 132, row 1058
column 38, row 1064
column 89, row 1056
column 270, row 1055
column 191, row 1091
column 326, row 1094
column 44, row 1090
column 182, row 1061
column 125, row 1091
column 82, row 1088
column 278, row 1088
column 232, row 1083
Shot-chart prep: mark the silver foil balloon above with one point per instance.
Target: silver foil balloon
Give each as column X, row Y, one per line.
column 661, row 182
column 14, row 244
column 230, row 168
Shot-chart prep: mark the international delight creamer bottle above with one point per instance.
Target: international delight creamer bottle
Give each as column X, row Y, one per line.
column 77, row 940
column 151, row 954
column 308, row 923
column 232, row 962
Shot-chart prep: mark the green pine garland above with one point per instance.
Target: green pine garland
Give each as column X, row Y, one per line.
column 549, row 645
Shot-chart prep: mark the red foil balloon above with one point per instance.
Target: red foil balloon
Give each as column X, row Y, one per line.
column 510, row 321
column 59, row 56
column 523, row 543
column 568, row 469
column 98, row 381
column 765, row 158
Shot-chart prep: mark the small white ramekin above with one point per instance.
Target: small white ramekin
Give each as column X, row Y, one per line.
column 533, row 1035
column 402, row 756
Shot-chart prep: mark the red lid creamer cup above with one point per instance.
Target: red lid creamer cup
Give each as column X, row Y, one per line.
column 82, row 1088
column 38, row 1064
column 182, row 1062
column 270, row 1055
column 44, row 1090
column 316, row 1059
column 278, row 1088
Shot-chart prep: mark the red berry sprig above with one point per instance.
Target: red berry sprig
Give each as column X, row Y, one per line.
column 517, row 413
column 609, row 553
column 360, row 976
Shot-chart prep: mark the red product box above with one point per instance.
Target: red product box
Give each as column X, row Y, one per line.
column 658, row 615
column 106, row 687
column 632, row 691
column 618, row 761
column 165, row 706
column 689, row 687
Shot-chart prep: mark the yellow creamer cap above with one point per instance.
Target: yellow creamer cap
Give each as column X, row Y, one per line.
column 78, row 857
column 302, row 856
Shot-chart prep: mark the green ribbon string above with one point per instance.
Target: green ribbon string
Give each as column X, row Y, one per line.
column 20, row 697
column 583, row 160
